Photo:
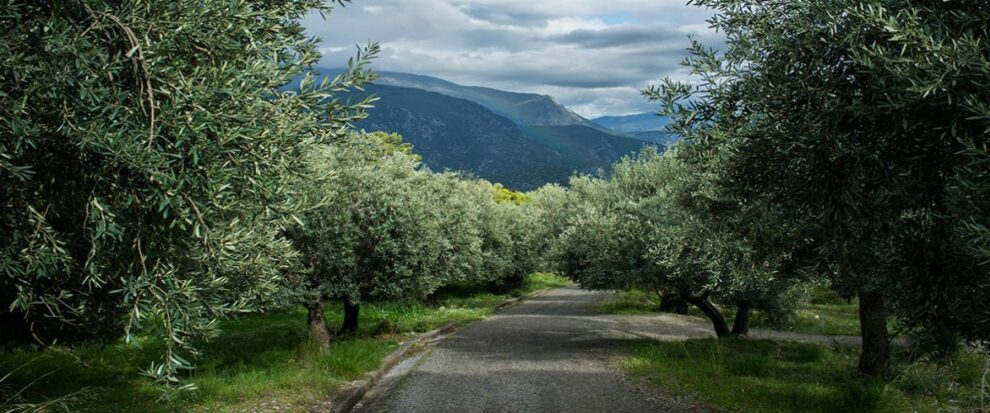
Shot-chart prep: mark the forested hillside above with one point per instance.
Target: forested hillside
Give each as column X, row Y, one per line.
column 640, row 122
column 461, row 135
column 523, row 108
column 650, row 127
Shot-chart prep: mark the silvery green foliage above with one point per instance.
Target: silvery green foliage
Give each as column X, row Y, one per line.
column 738, row 251
column 593, row 245
column 458, row 240
column 143, row 151
column 508, row 232
column 384, row 227
column 650, row 226
column 603, row 231
column 371, row 236
column 550, row 203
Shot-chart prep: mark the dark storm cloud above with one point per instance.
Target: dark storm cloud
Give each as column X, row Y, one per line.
column 626, row 35
column 498, row 16
column 593, row 56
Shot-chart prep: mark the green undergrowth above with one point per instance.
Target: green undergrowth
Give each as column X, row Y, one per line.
column 542, row 281
column 259, row 361
column 824, row 314
column 763, row 376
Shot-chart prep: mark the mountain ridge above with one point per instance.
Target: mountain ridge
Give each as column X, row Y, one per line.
column 637, row 122
column 523, row 108
column 522, row 140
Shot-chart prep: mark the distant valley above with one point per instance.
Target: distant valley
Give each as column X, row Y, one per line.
column 521, row 140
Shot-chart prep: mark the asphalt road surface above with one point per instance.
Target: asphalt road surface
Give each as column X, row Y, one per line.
column 551, row 353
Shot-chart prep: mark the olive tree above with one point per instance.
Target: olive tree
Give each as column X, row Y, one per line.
column 549, row 205
column 143, row 151
column 381, row 227
column 600, row 232
column 596, row 247
column 651, row 225
column 507, row 224
column 863, row 120
column 459, row 225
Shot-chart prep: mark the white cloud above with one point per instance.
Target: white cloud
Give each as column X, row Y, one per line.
column 566, row 25
column 565, row 48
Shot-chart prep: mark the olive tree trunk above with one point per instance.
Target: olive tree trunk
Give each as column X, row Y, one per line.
column 672, row 303
column 875, row 355
column 319, row 334
column 740, row 327
column 351, row 312
column 431, row 300
column 712, row 312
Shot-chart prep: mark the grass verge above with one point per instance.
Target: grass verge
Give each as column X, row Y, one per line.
column 819, row 316
column 259, row 361
column 762, row 376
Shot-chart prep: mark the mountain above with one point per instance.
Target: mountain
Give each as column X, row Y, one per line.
column 643, row 126
column 639, row 122
column 658, row 137
column 522, row 108
column 455, row 134
column 521, row 140
column 588, row 149
column 460, row 135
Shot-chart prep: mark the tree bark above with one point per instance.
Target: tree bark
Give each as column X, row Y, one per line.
column 672, row 303
column 740, row 327
column 319, row 334
column 875, row 355
column 718, row 320
column 431, row 300
column 351, row 312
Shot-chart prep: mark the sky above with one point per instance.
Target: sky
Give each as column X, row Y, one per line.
column 594, row 56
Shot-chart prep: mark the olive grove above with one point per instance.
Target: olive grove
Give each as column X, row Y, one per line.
column 144, row 149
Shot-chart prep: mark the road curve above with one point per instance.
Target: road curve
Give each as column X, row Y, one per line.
column 548, row 354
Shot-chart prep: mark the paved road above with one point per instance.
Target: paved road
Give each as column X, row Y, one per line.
column 548, row 354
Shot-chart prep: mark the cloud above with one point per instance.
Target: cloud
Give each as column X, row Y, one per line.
column 499, row 16
column 594, row 56
column 622, row 36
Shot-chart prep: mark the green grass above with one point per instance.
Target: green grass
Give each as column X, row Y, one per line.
column 762, row 376
column 823, row 315
column 823, row 319
column 632, row 302
column 542, row 281
column 259, row 360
